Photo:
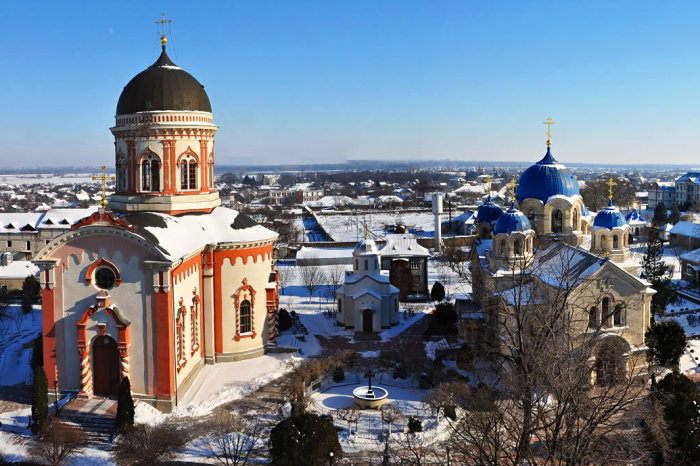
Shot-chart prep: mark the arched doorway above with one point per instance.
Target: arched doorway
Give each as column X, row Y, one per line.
column 367, row 320
column 105, row 366
column 611, row 361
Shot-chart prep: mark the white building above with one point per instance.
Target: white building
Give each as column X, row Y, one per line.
column 367, row 302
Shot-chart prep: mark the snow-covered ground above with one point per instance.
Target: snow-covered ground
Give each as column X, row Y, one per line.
column 345, row 227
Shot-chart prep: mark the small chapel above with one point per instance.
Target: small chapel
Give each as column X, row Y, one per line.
column 162, row 279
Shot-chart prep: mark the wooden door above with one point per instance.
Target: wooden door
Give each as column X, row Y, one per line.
column 367, row 320
column 105, row 366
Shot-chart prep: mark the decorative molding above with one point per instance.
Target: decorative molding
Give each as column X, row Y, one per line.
column 102, row 218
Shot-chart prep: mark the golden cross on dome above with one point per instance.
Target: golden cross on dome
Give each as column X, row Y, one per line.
column 549, row 124
column 513, row 184
column 610, row 184
column 366, row 228
column 163, row 22
column 104, row 179
column 488, row 184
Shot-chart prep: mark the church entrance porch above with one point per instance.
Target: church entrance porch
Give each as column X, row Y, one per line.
column 105, row 366
column 367, row 320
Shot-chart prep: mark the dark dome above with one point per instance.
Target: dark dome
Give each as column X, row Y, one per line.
column 545, row 179
column 163, row 86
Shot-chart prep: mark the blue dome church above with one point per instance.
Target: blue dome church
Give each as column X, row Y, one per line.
column 548, row 195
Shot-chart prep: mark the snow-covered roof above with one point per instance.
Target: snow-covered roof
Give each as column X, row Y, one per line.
column 18, row 270
column 686, row 229
column 56, row 218
column 318, row 253
column 178, row 236
column 692, row 256
column 403, row 245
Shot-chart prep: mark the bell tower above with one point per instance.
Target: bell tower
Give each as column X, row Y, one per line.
column 164, row 142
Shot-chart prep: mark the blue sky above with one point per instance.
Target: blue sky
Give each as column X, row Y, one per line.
column 318, row 81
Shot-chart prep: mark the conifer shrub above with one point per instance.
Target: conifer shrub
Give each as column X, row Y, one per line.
column 40, row 401
column 306, row 439
column 415, row 425
column 125, row 406
column 437, row 293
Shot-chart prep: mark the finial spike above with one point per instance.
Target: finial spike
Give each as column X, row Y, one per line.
column 549, row 124
column 610, row 190
column 513, row 184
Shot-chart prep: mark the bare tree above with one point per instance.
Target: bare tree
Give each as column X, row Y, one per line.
column 286, row 276
column 232, row 439
column 145, row 444
column 335, row 276
column 311, row 277
column 390, row 414
column 58, row 442
column 542, row 368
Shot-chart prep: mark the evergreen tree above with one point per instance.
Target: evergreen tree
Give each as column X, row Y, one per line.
column 681, row 401
column 655, row 270
column 666, row 342
column 38, row 352
column 660, row 215
column 125, row 406
column 31, row 288
column 675, row 214
column 437, row 293
column 305, row 439
column 40, row 400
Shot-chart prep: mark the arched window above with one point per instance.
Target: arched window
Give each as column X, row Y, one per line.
column 485, row 233
column 212, row 179
column 603, row 243
column 188, row 172
column 605, row 317
column 518, row 247
column 574, row 223
column 503, row 246
column 121, row 174
column 593, row 318
column 618, row 315
column 557, row 221
column 246, row 324
column 340, row 306
column 366, row 264
column 615, row 242
column 532, row 216
column 150, row 173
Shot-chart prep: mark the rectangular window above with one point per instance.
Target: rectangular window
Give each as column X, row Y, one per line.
column 3, row 289
column 192, row 174
column 415, row 264
column 386, row 264
column 9, row 244
column 29, row 245
column 183, row 175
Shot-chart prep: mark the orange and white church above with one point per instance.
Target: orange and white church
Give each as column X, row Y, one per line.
column 162, row 280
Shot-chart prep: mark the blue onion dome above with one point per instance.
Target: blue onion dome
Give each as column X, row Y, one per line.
column 609, row 218
column 488, row 212
column 545, row 179
column 512, row 220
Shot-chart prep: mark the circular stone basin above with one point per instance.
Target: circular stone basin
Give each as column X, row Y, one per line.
column 370, row 399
